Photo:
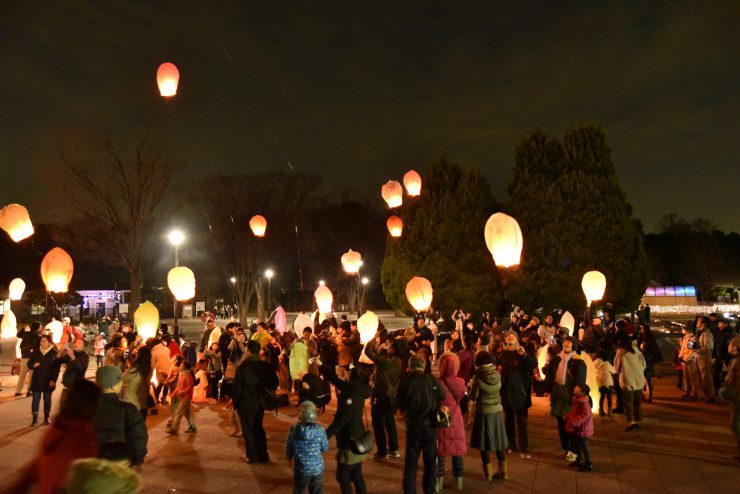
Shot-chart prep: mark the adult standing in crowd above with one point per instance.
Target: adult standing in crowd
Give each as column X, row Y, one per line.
column 136, row 381
column 75, row 363
column 45, row 369
column 29, row 337
column 565, row 370
column 385, row 384
column 517, row 367
column 451, row 440
column 630, row 365
column 723, row 334
column 703, row 349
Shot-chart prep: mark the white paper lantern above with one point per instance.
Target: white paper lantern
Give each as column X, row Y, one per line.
column 367, row 325
column 568, row 321
column 9, row 326
column 324, row 299
column 594, row 286
column 16, row 289
column 419, row 293
column 302, row 322
column 504, row 240
column 181, row 281
column 55, row 328
column 392, row 193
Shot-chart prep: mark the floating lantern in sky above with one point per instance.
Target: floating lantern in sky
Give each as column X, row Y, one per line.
column 15, row 220
column 351, row 261
column 412, row 182
column 146, row 319
column 9, row 326
column 258, row 224
column 594, row 285
column 395, row 226
column 504, row 240
column 392, row 193
column 168, row 77
column 16, row 289
column 568, row 321
column 367, row 325
column 181, row 281
column 419, row 293
column 56, row 270
column 324, row 299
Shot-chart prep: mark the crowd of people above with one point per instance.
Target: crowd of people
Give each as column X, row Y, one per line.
column 441, row 377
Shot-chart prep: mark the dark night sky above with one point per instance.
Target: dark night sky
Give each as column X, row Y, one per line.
column 361, row 91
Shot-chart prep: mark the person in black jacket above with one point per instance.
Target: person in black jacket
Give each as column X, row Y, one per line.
column 383, row 411
column 75, row 363
column 252, row 378
column 45, row 369
column 517, row 366
column 417, row 397
column 29, row 337
column 347, row 425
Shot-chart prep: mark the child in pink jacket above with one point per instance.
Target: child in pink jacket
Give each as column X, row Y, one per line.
column 579, row 424
column 183, row 393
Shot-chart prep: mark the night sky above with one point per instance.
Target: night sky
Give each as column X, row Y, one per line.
column 362, row 91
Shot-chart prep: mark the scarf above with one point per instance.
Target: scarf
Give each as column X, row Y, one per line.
column 563, row 367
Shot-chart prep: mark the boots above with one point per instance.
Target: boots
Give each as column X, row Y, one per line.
column 35, row 420
column 47, row 420
column 440, row 483
column 502, row 473
column 488, row 471
column 459, row 483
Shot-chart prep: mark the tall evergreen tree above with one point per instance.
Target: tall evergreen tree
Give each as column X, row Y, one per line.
column 443, row 242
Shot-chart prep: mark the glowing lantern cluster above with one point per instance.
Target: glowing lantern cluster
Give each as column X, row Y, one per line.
column 395, row 226
column 168, row 77
column 8, row 328
column 258, row 224
column 146, row 320
column 324, row 299
column 568, row 321
column 56, row 270
column 392, row 193
column 594, row 286
column 351, row 261
column 181, row 281
column 412, row 182
column 15, row 220
column 367, row 325
column 16, row 289
column 419, row 293
column 504, row 239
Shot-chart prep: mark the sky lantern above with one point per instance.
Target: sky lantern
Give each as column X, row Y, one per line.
column 504, row 240
column 146, row 320
column 367, row 325
column 16, row 289
column 568, row 321
column 351, row 261
column 591, row 380
column 9, row 326
column 15, row 220
column 412, row 182
column 594, row 285
column 181, row 281
column 56, row 270
column 419, row 293
column 392, row 193
column 395, row 226
column 324, row 299
column 302, row 322
column 258, row 224
column 168, row 77
column 56, row 328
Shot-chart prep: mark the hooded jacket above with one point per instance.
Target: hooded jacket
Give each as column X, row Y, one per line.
column 516, row 379
column 486, row 390
column 119, row 421
column 451, row 440
column 579, row 421
column 305, row 445
column 347, row 422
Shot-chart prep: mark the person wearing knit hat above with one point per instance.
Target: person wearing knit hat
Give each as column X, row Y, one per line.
column 305, row 447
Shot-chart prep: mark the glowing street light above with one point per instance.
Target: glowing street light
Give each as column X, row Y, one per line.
column 233, row 280
column 365, row 281
column 176, row 239
column 269, row 274
column 322, row 283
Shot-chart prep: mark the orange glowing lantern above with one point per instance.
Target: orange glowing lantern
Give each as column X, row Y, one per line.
column 146, row 320
column 324, row 299
column 412, row 182
column 392, row 193
column 181, row 281
column 594, row 286
column 367, row 325
column 14, row 219
column 168, row 77
column 16, row 289
column 395, row 226
column 258, row 224
column 351, row 261
column 504, row 240
column 419, row 293
column 56, row 270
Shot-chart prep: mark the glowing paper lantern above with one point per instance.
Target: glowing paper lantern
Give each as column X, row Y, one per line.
column 392, row 193
column 168, row 77
column 395, row 226
column 16, row 289
column 419, row 293
column 302, row 322
column 146, row 320
column 591, row 380
column 14, row 219
column 258, row 224
column 181, row 281
column 504, row 240
column 323, row 298
column 568, row 321
column 412, row 182
column 367, row 325
column 594, row 285
column 8, row 328
column 351, row 261
column 56, row 270
column 56, row 328
column 542, row 360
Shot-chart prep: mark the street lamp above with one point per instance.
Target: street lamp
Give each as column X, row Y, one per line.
column 269, row 274
column 322, row 283
column 233, row 289
column 176, row 238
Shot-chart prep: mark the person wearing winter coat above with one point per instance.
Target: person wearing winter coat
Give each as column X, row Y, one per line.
column 489, row 431
column 451, row 440
column 162, row 366
column 305, row 447
column 75, row 361
column 630, row 365
column 703, row 350
column 517, row 367
column 731, row 390
column 348, row 424
column 29, row 337
column 45, row 367
column 183, row 393
column 99, row 349
column 383, row 409
column 604, row 371
column 136, row 381
column 579, row 424
column 299, row 357
column 466, row 356
column 102, row 476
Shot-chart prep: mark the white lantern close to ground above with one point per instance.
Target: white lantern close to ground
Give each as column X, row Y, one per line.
column 324, row 299
column 568, row 321
column 594, row 286
column 367, row 325
column 15, row 220
column 181, row 282
column 146, row 320
column 419, row 293
column 16, row 289
column 504, row 240
column 9, row 326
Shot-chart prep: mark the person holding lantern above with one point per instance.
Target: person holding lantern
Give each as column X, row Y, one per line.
column 385, row 383
column 29, row 337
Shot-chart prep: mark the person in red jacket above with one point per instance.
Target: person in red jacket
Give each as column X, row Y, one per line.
column 183, row 393
column 579, row 424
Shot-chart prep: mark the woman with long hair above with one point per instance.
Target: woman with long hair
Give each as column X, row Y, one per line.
column 136, row 379
column 630, row 365
column 649, row 348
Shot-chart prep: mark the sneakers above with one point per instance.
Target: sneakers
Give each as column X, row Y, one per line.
column 393, row 454
column 570, row 456
column 191, row 430
column 47, row 421
column 525, row 455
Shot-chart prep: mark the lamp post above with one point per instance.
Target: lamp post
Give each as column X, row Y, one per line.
column 176, row 238
column 233, row 288
column 269, row 274
column 365, row 281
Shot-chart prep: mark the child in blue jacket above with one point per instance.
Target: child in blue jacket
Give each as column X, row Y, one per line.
column 305, row 446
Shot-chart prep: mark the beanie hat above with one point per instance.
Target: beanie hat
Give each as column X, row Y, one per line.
column 307, row 413
column 108, row 376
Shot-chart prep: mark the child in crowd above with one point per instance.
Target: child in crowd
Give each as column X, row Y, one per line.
column 604, row 371
column 579, row 424
column 99, row 347
column 305, row 447
column 183, row 394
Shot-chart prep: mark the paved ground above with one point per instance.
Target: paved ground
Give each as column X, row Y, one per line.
column 682, row 447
